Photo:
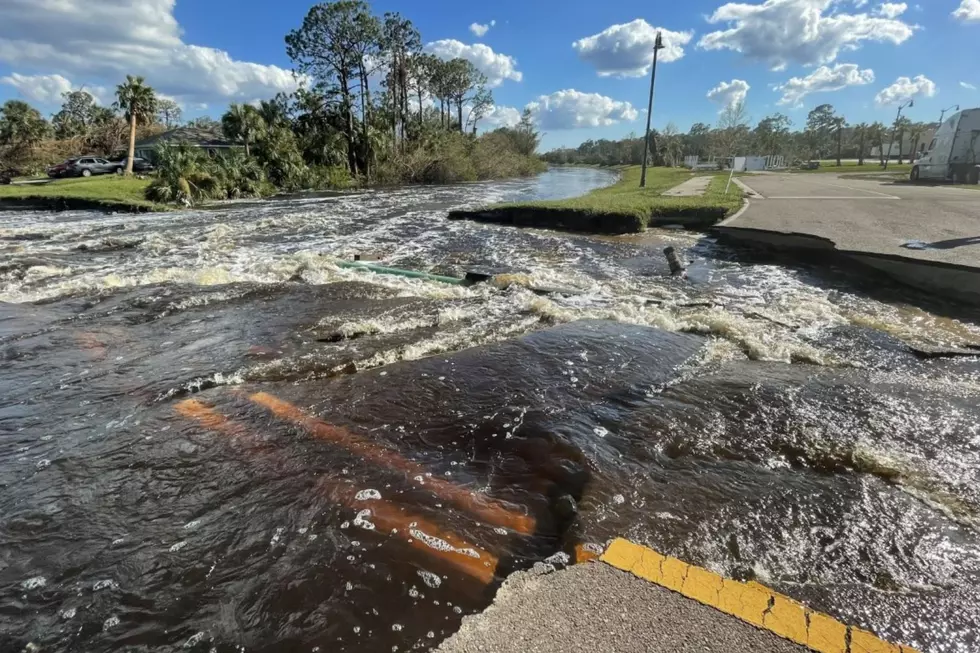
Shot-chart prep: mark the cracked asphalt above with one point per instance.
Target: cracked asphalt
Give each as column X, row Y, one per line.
column 597, row 608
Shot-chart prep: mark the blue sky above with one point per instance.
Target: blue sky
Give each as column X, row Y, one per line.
column 580, row 65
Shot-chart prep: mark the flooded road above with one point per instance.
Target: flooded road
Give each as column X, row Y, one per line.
column 214, row 438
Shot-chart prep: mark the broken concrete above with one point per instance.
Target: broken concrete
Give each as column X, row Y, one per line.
column 595, row 608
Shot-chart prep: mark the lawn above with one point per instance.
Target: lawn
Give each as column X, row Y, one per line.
column 623, row 207
column 108, row 191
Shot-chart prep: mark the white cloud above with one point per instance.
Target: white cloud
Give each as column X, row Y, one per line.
column 45, row 89
column 627, row 50
column 481, row 29
column 968, row 86
column 806, row 32
column 729, row 93
column 906, row 89
column 821, row 80
column 106, row 40
column 497, row 67
column 570, row 109
column 891, row 9
column 500, row 117
column 969, row 11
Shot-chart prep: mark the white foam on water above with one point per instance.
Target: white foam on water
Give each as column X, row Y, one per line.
column 34, row 583
column 178, row 546
column 110, row 623
column 367, row 495
column 430, row 579
column 439, row 544
column 195, row 639
column 277, row 536
column 361, row 520
column 107, row 584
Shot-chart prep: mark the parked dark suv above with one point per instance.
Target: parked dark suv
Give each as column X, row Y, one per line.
column 139, row 165
column 62, row 169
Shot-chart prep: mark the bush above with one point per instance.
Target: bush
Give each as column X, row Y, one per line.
column 187, row 175
column 446, row 158
column 279, row 154
column 328, row 177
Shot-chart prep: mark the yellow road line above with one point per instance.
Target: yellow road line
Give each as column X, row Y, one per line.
column 750, row 602
column 485, row 508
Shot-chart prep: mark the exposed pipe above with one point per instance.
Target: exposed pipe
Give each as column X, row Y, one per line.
column 676, row 266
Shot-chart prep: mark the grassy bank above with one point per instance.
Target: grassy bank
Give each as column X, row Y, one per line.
column 623, row 207
column 869, row 167
column 105, row 192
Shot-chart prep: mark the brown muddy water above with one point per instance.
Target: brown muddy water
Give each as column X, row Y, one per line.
column 214, row 439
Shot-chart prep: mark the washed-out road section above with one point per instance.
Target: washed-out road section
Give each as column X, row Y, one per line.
column 875, row 216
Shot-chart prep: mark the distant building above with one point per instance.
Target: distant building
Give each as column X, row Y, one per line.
column 924, row 139
column 211, row 140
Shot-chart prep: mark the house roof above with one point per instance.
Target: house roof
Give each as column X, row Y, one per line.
column 190, row 135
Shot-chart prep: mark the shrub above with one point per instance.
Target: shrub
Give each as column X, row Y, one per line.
column 446, row 158
column 186, row 175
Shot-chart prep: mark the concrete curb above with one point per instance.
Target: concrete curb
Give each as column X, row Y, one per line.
column 746, row 203
column 953, row 281
column 750, row 602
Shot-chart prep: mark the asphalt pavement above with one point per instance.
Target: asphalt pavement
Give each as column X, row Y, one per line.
column 596, row 608
column 880, row 216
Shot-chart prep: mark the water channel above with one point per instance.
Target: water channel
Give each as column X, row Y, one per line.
column 213, row 438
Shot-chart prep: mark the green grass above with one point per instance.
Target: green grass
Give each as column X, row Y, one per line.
column 107, row 191
column 870, row 166
column 623, row 207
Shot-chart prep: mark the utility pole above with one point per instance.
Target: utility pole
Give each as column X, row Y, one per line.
column 910, row 103
column 657, row 46
column 942, row 115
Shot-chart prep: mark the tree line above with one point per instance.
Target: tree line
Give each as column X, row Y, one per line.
column 825, row 135
column 369, row 101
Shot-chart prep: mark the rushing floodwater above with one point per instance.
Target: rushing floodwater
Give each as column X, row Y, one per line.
column 213, row 438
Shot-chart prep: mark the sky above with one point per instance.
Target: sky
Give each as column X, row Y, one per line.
column 581, row 66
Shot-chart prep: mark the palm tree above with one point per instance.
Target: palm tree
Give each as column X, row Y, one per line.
column 916, row 130
column 839, row 123
column 139, row 103
column 861, row 133
column 876, row 135
column 243, row 121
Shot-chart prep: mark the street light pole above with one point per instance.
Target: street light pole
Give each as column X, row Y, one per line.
column 657, row 46
column 910, row 103
column 942, row 115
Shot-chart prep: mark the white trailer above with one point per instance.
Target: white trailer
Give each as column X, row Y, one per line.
column 954, row 153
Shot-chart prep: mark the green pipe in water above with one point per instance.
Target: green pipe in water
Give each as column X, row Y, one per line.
column 411, row 274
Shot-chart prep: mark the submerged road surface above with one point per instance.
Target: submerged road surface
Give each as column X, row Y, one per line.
column 213, row 438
